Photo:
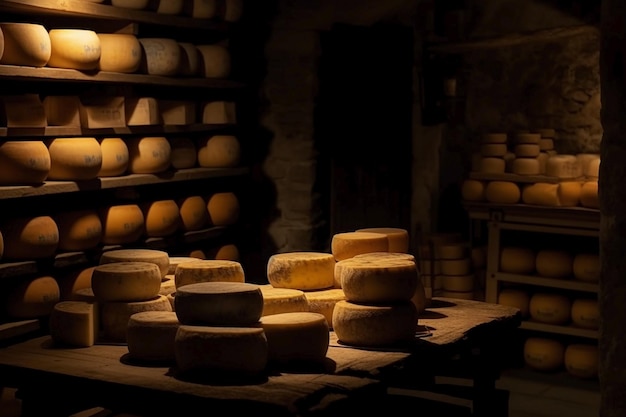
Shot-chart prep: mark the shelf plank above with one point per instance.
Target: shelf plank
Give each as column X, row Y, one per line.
column 547, row 282
column 523, row 179
column 564, row 330
column 54, row 131
column 18, row 328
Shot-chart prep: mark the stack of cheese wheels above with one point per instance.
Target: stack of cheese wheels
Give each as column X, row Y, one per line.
column 73, row 280
column 219, row 331
column 378, row 310
column 74, row 49
column 581, row 360
column 148, row 154
column 558, row 194
column 34, row 237
column 550, row 308
column 119, row 52
column 527, row 150
column 516, row 297
column 219, row 112
column 193, row 212
column 184, row 153
column 32, row 298
column 456, row 270
column 158, row 257
column 208, row 270
column 493, row 148
column 74, row 323
column 160, row 56
column 219, row 151
column 586, row 267
column 114, row 157
column 585, row 313
column 544, row 354
column 122, row 224
column 189, row 60
column 345, row 245
column 26, row 44
column 589, row 194
column 161, row 217
column 79, row 230
column 150, row 336
column 74, row 159
column 23, row 162
column 502, row 192
column 215, row 61
column 554, row 263
column 324, row 301
column 429, row 261
column 223, row 208
column 282, row 300
column 517, row 260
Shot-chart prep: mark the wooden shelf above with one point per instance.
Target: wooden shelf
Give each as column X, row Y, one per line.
column 55, row 131
column 566, row 284
column 524, row 179
column 564, row 330
column 14, row 329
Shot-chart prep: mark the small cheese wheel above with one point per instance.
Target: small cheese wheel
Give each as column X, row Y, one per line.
column 126, row 281
column 527, row 138
column 150, row 336
column 593, row 170
column 554, row 263
column 148, row 154
column 201, row 9
column 74, row 323
column 168, row 286
column 74, row 280
column 219, row 112
column 585, row 160
column 114, row 157
column 193, row 212
column 296, row 337
column 32, row 298
column 546, row 144
column 473, row 190
column 30, row 237
column 302, row 270
column 142, row 111
column 586, row 267
column 323, row 302
column 589, row 195
column 189, row 60
column 74, row 48
column 494, row 138
column 131, row 4
column 550, row 308
column 348, row 244
column 461, row 283
column 525, row 166
column 24, row 162
column 62, row 110
column 282, row 300
column 119, row 52
column 121, row 224
column 114, row 315
column 544, row 354
column 219, row 303
column 174, row 261
column 502, row 192
column 462, row 266
column 25, row 44
column 563, row 166
column 79, row 230
column 582, row 360
column 220, row 351
column 493, row 149
column 215, row 61
column 74, row 159
column 161, row 56
column 517, row 298
column 223, row 208
column 208, row 270
column 492, row 165
column 374, row 325
column 229, row 252
column 219, row 151
column 177, row 112
column 398, row 238
column 517, row 260
column 162, row 218
column 586, row 313
column 184, row 153
column 158, row 257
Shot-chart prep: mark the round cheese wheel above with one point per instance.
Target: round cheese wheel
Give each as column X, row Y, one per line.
column 25, row 44
column 74, row 48
column 74, row 159
column 116, row 314
column 586, row 267
column 122, row 224
column 462, row 266
column 148, row 154
column 374, row 325
column 219, row 151
column 74, row 323
column 473, row 190
column 550, row 308
column 302, row 270
column 517, row 298
column 74, row 280
column 223, row 208
column 131, row 4
column 168, row 286
column 517, row 260
column 228, row 252
column 589, row 195
column 126, row 281
column 492, row 165
column 158, row 257
column 189, row 60
column 161, row 56
column 215, row 61
column 32, row 298
column 525, row 166
column 348, row 244
column 296, row 337
column 526, row 150
column 30, row 237
column 282, row 300
column 461, row 283
column 150, row 336
column 544, row 354
column 581, row 360
column 323, row 302
column 79, row 230
column 174, row 261
column 545, row 132
column 119, row 52
column 586, row 313
column 193, row 212
column 493, row 149
column 183, row 153
column 563, row 166
column 162, row 218
column 554, row 263
column 201, row 9
column 24, row 162
column 114, row 157
column 398, row 238
column 494, row 138
column 208, row 270
column 219, row 303
column 383, row 256
column 502, row 192
column 564, row 194
column 546, row 144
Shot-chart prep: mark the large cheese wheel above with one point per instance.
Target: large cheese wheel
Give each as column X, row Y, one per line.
column 161, row 56
column 74, row 48
column 302, row 270
column 74, row 323
column 62, row 110
column 208, row 270
column 323, row 302
column 162, row 218
column 586, row 267
column 502, row 192
column 119, row 52
column 219, row 112
column 374, row 325
column 126, row 281
column 473, row 190
column 525, row 166
column 148, row 154
column 193, row 212
column 398, row 238
column 517, row 298
column 563, row 166
column 23, row 162
column 220, row 352
column 589, row 195
column 79, row 230
column 564, row 194
column 550, row 308
column 492, row 165
column 158, row 257
column 554, row 263
column 215, row 61
column 219, row 303
column 544, row 354
column 229, row 251
column 150, row 336
column 348, row 244
column 184, row 153
column 114, row 157
column 593, row 170
column 585, row 160
column 25, row 44
column 223, row 208
column 219, row 151
column 30, row 237
column 32, row 298
column 282, row 300
column 122, row 224
column 73, row 280
column 74, row 159
column 582, row 360
column 586, row 313
column 296, row 337
column 116, row 314
column 189, row 60
column 517, row 260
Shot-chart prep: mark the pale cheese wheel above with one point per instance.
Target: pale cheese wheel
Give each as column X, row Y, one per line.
column 193, row 212
column 219, row 151
column 131, row 4
column 62, row 110
column 215, row 61
column 30, row 237
column 32, row 298
column 461, row 283
column 586, row 267
column 114, row 315
column 527, row 138
column 220, row 351
column 142, row 111
column 517, row 298
column 122, row 224
column 201, row 9
column 161, row 56
column 74, row 48
column 74, row 159
column 374, row 325
column 493, row 149
column 517, row 260
column 24, row 162
column 383, row 256
column 208, row 270
column 115, row 157
column 296, row 337
column 219, row 112
column 172, row 7
column 550, row 308
column 494, row 138
column 502, row 192
column 158, row 257
column 229, row 251
column 74, row 323
column 302, row 270
column 223, row 208
column 219, row 304
column 492, row 165
column 569, row 193
column 473, row 190
column 189, row 60
column 126, row 281
column 148, row 154
column 346, row 245
column 546, row 144
column 162, row 218
column 323, row 302
column 168, row 286
column 589, row 195
column 79, row 230
column 232, row 11
column 119, row 52
column 462, row 266
column 25, row 44
column 177, row 112
column 586, row 313
column 174, row 261
column 184, row 153
column 585, row 160
column 398, row 238
column 525, row 166
column 544, row 354
column 554, row 263
column 563, row 166
column 593, row 170
column 150, row 336
column 74, row 280
column 282, row 300
column 581, row 360
column 564, row 194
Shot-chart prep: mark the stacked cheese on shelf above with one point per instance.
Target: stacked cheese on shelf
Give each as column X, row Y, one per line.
column 549, row 354
column 493, row 153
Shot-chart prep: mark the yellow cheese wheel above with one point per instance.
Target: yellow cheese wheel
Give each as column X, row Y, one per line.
column 564, row 194
column 517, row 298
column 126, row 281
column 168, row 286
column 208, row 270
column 74, row 159
column 586, row 313
column 30, row 237
column 525, row 166
column 398, row 238
column 554, row 263
column 593, row 169
column 142, row 111
column 589, row 195
column 219, row 151
column 62, row 110
column 282, row 300
column 201, row 9
column 160, row 56
column 550, row 308
column 148, row 154
column 74, row 280
column 517, row 260
column 25, row 44
column 348, row 244
column 582, row 360
column 502, row 192
column 215, row 61
column 492, row 165
column 323, row 302
column 454, row 251
column 193, row 212
column 229, row 251
column 219, row 112
column 493, row 149
column 184, row 153
column 162, row 218
column 544, row 354
column 114, row 157
column 586, row 267
column 122, row 224
column 24, row 162
column 302, row 270
column 116, row 314
column 296, row 337
column 119, row 52
column 223, row 208
column 79, row 230
column 74, row 323
column 158, row 257
column 174, row 261
column 32, row 298
column 585, row 160
column 74, row 48
column 473, row 190
column 150, row 336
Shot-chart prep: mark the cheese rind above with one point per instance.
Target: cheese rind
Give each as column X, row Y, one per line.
column 550, row 308
column 149, row 154
column 582, row 360
column 323, row 302
column 554, row 263
column 517, row 260
column 25, row 44
column 208, row 270
column 302, row 270
column 74, row 48
column 126, row 281
column 223, row 208
column 586, row 313
column 74, row 159
column 115, row 315
column 114, row 157
column 586, row 267
column 543, row 354
column 30, row 237
column 24, row 162
column 119, row 52
column 282, row 300
column 162, row 218
column 515, row 298
column 161, row 56
column 79, row 230
column 502, row 192
column 158, row 257
column 150, row 336
column 32, row 298
column 398, row 238
column 348, row 244
column 74, row 323
column 219, row 151
column 122, row 224
column 193, row 212
column 215, row 61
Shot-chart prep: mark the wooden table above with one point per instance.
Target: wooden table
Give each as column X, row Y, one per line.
column 57, row 381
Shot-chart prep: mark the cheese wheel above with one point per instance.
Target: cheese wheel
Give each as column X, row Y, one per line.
column 189, row 60
column 161, row 56
column 215, row 61
column 348, row 244
column 220, row 352
column 461, row 283
column 492, row 165
column 589, row 195
column 563, row 166
column 374, row 325
column 527, row 138
column 564, row 194
column 74, row 280
column 142, row 111
column 517, row 260
column 219, row 112
column 24, row 162
column 473, row 190
column 383, row 256
column 232, row 10
column 586, row 267
column 461, row 266
column 184, row 153
column 302, row 270
column 554, row 263
column 323, row 302
column 223, row 208
column 219, row 151
column 32, row 298
column 30, row 237
column 543, row 159
column 114, row 315
column 585, row 159
column 74, row 159
column 84, row 294
column 119, row 52
column 201, row 9
column 517, row 298
column 296, row 337
column 114, row 157
column 546, row 144
column 25, row 44
column 168, row 286
column 62, row 110
column 74, row 323
column 494, row 138
column 228, row 252
column 162, row 218
column 148, row 154
column 208, row 270
column 545, row 132
column 451, row 251
column 170, row 7
column 581, row 360
column 158, row 257
column 282, row 300
column 502, row 192
column 526, row 150
column 493, row 149
column 586, row 313
column 550, row 308
column 219, row 303
column 177, row 112
column 174, row 261
column 131, row 4
column 193, row 212
column 126, row 281
column 121, row 224
column 593, row 170
column 79, row 230
column 398, row 238
column 74, row 48
column 544, row 354
column 150, row 336
column 525, row 166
